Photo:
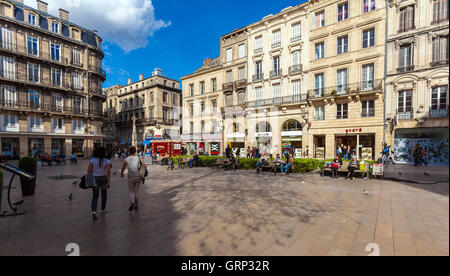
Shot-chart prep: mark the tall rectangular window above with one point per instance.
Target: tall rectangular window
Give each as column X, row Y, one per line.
column 33, row 72
column 214, row 85
column 55, row 27
column 368, row 109
column 32, row 19
column 440, row 49
column 10, row 123
column 6, row 38
column 8, row 96
column 296, row 32
column 33, row 45
column 214, row 106
column 58, row 125
column 296, row 90
column 276, row 63
column 242, row 51
column 439, row 98
column 367, row 78
column 77, row 104
column 35, row 124
column 319, row 113
column 258, row 93
column 258, row 44
column 319, row 85
column 202, row 108
column 258, row 68
column 342, row 111
column 7, row 68
column 342, row 81
column 405, row 58
column 76, row 57
column 229, row 76
column 230, row 55
column 34, row 98
column 78, row 127
column 241, row 73
column 76, row 81
column 405, row 104
column 191, row 90
column 191, row 127
column 276, row 40
column 369, row 38
column 191, row 109
column 57, row 102
column 318, row 19
column 343, row 11
column 56, row 77
column 342, row 45
column 440, row 11
column 55, row 51
column 319, row 50
column 296, row 58
column 406, row 21
column 277, row 93
column 369, row 5
column 202, row 87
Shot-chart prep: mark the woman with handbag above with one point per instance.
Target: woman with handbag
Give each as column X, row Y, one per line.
column 135, row 165
column 100, row 168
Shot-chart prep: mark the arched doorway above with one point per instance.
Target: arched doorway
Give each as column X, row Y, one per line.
column 291, row 138
column 264, row 136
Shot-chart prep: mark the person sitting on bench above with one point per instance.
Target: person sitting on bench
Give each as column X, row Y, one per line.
column 352, row 167
column 56, row 159
column 335, row 165
column 289, row 162
column 47, row 158
column 262, row 162
column 195, row 161
column 277, row 164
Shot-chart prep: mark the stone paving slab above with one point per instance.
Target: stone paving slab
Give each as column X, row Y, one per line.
column 202, row 212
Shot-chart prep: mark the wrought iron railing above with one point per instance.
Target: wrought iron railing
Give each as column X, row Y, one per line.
column 348, row 89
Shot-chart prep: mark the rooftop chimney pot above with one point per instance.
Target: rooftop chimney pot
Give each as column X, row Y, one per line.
column 63, row 14
column 41, row 6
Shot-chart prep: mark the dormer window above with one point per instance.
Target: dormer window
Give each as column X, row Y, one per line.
column 55, row 27
column 32, row 19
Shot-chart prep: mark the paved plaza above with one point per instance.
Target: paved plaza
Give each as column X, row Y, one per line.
column 202, row 212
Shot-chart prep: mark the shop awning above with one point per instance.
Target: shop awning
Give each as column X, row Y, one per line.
column 148, row 141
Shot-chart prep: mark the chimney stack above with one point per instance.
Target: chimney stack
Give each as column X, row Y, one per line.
column 130, row 81
column 63, row 15
column 141, row 77
column 41, row 6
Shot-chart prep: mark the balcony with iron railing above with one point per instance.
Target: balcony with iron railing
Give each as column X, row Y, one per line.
column 405, row 114
column 40, row 107
column 405, row 69
column 276, row 73
column 258, row 77
column 278, row 101
column 439, row 63
column 35, row 54
column 296, row 39
column 258, row 50
column 440, row 113
column 240, row 84
column 98, row 70
column 349, row 89
column 276, row 45
column 22, row 76
column 295, row 69
column 228, row 86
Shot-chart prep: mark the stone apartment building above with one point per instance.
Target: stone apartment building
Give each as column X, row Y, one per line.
column 202, row 102
column 417, row 94
column 51, row 83
column 154, row 102
column 347, row 42
column 278, row 65
column 329, row 72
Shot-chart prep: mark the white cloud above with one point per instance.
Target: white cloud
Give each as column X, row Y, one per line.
column 127, row 23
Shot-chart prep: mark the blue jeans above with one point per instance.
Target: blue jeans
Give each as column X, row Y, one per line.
column 101, row 185
column 285, row 168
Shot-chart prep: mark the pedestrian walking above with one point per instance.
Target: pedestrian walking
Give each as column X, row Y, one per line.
column 133, row 163
column 100, row 168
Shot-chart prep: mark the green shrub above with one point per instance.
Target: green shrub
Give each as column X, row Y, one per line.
column 27, row 162
column 248, row 164
column 305, row 165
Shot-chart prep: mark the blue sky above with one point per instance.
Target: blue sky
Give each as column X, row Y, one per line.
column 189, row 31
